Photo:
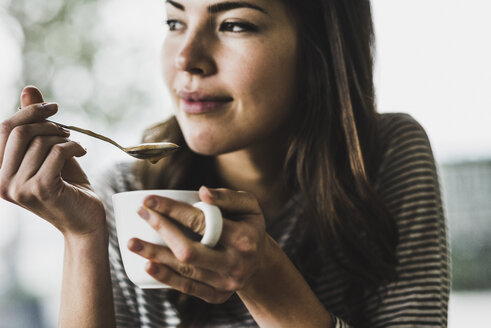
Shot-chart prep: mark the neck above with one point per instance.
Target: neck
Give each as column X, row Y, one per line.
column 258, row 171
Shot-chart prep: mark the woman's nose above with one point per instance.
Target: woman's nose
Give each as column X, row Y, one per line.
column 195, row 57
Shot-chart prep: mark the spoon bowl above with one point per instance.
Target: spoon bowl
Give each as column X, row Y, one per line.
column 151, row 152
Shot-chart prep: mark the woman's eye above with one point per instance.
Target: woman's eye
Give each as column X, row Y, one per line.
column 236, row 27
column 173, row 25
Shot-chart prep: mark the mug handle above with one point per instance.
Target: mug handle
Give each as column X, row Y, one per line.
column 213, row 223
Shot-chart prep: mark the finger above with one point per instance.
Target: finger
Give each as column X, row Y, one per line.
column 57, row 157
column 36, row 154
column 162, row 255
column 186, row 214
column 72, row 172
column 30, row 95
column 238, row 202
column 184, row 249
column 187, row 286
column 20, row 139
column 30, row 114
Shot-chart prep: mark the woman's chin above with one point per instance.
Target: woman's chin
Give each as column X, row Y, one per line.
column 210, row 142
column 209, row 148
column 203, row 147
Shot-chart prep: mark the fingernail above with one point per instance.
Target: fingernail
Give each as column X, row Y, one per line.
column 65, row 131
column 150, row 202
column 50, row 106
column 209, row 192
column 143, row 213
column 135, row 245
column 24, row 91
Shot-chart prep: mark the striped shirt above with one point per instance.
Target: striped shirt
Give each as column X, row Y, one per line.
column 408, row 183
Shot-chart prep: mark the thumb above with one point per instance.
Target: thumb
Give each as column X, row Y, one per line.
column 239, row 202
column 30, row 95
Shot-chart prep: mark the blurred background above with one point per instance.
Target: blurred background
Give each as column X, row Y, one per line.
column 99, row 60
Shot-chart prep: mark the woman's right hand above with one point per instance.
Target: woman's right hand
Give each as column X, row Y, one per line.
column 38, row 170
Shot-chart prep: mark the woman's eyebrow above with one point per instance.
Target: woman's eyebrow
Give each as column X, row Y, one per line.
column 222, row 6
column 175, row 4
column 229, row 5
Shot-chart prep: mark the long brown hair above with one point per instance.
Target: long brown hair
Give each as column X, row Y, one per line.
column 334, row 151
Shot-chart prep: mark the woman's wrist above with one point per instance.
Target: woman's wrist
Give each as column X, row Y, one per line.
column 98, row 238
column 270, row 263
column 278, row 295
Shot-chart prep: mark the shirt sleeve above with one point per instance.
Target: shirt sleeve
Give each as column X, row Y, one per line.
column 408, row 183
column 124, row 297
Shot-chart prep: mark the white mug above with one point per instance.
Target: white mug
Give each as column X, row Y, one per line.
column 130, row 225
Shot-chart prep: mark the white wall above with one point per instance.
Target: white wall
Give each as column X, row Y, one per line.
column 434, row 63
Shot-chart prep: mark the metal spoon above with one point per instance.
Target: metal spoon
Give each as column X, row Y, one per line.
column 151, row 152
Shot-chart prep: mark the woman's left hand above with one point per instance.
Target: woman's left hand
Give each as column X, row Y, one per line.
column 193, row 268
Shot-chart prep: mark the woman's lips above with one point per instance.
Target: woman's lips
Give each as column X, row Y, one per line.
column 202, row 106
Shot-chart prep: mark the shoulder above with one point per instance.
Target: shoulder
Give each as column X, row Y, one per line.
column 407, row 147
column 396, row 128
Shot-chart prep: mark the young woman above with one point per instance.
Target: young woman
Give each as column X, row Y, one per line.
column 332, row 212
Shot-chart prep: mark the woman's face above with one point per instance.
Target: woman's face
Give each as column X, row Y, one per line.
column 230, row 68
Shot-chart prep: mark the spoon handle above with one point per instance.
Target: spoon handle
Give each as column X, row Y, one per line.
column 89, row 133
